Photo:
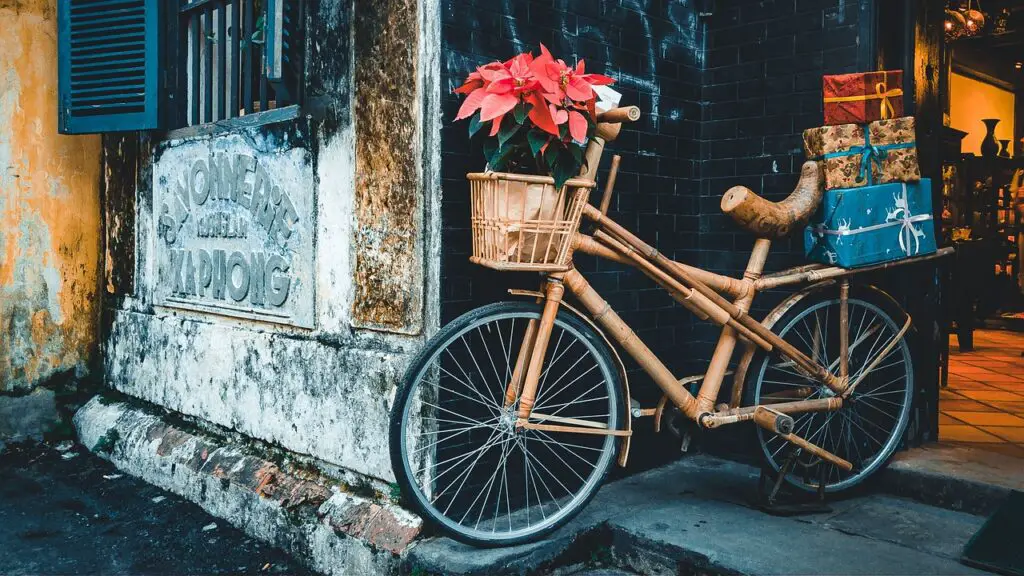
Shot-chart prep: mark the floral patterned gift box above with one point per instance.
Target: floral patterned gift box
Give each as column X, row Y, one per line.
column 874, row 224
column 855, row 155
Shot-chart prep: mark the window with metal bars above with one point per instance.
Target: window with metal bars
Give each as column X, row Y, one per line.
column 240, row 57
column 128, row 65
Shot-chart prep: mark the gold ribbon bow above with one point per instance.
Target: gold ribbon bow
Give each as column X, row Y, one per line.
column 882, row 94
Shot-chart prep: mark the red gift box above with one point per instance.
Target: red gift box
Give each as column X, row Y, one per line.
column 863, row 98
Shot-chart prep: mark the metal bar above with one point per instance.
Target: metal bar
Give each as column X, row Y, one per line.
column 734, row 415
column 246, row 77
column 194, row 80
column 264, row 100
column 207, row 65
column 195, row 5
column 222, row 60
column 236, row 34
column 877, row 359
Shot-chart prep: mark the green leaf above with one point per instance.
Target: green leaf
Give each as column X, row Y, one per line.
column 475, row 124
column 551, row 156
column 500, row 159
column 563, row 171
column 537, row 138
column 520, row 112
column 508, row 130
column 567, row 167
column 577, row 152
column 490, row 149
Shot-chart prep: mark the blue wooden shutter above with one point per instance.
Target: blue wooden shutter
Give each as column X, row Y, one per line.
column 109, row 65
column 284, row 47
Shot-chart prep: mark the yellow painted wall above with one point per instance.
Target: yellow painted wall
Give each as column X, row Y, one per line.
column 970, row 101
column 49, row 211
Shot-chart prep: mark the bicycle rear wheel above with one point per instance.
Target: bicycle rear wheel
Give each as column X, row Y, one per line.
column 455, row 451
column 870, row 425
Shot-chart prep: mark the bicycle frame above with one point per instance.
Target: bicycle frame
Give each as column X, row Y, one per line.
column 707, row 295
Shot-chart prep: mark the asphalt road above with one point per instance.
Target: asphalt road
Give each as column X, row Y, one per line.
column 64, row 514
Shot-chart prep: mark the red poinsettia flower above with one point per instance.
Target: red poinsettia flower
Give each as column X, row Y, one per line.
column 561, row 81
column 540, row 94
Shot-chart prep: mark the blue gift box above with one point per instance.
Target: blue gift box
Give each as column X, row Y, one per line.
column 862, row 226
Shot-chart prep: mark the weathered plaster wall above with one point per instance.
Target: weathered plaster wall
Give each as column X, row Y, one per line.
column 322, row 388
column 49, row 211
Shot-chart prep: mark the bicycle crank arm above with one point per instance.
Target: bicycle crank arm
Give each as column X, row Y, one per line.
column 782, row 425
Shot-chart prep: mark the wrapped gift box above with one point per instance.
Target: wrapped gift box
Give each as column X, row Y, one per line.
column 873, row 224
column 853, row 155
column 863, row 98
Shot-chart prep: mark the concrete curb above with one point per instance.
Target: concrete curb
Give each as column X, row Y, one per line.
column 332, row 531
column 942, row 489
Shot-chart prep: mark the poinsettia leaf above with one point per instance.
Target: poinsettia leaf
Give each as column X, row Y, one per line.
column 475, row 124
column 471, row 104
column 551, row 157
column 500, row 159
column 565, row 168
column 494, row 105
column 507, row 131
column 490, row 148
column 577, row 127
column 537, row 139
column 521, row 110
column 577, row 152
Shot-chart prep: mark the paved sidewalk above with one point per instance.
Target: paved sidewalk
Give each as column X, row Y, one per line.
column 694, row 516
column 73, row 513
column 983, row 406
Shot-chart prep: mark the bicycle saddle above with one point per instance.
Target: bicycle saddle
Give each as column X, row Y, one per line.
column 776, row 220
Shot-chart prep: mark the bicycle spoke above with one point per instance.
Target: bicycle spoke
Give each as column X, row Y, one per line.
column 469, row 468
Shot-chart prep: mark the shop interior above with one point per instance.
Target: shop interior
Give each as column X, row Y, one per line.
column 982, row 399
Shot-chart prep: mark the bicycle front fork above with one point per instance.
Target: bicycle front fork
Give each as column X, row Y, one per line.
column 526, row 374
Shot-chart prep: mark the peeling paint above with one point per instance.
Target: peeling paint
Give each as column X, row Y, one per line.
column 49, row 211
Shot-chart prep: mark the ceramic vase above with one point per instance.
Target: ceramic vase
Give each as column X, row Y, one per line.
column 989, row 146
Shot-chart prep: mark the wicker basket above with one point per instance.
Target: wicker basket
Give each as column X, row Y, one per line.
column 520, row 222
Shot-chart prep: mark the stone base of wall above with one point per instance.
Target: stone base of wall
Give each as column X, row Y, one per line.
column 309, row 515
column 27, row 417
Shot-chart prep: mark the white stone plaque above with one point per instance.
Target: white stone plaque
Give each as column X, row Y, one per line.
column 235, row 230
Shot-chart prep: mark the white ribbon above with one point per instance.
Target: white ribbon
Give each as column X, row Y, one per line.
column 901, row 214
column 898, row 216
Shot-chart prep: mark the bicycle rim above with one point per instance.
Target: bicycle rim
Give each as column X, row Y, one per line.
column 466, row 466
column 867, row 430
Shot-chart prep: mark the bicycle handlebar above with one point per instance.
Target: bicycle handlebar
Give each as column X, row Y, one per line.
column 618, row 115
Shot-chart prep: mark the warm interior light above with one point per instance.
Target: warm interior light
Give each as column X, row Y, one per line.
column 1019, row 65
column 955, row 25
column 975, row 21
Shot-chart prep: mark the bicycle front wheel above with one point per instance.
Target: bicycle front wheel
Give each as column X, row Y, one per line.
column 456, row 453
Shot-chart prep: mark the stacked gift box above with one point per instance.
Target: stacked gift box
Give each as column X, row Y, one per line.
column 876, row 208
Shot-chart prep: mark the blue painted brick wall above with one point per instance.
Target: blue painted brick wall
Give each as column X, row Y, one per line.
column 726, row 87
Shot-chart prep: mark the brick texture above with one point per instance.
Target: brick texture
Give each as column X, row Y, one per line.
column 726, row 89
column 653, row 49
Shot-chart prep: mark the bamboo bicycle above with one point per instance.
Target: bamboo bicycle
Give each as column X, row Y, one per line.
column 508, row 421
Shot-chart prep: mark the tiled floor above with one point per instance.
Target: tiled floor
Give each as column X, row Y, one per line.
column 983, row 406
